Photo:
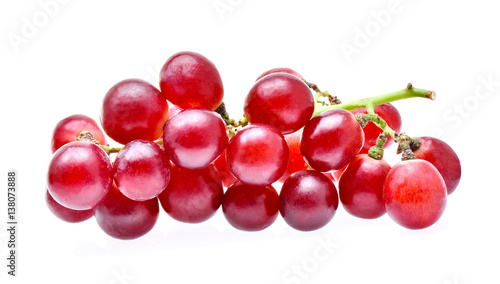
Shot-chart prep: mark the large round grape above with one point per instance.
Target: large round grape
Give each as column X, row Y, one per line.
column 68, row 129
column 194, row 138
column 331, row 140
column 257, row 155
column 79, row 175
column 141, row 170
column 281, row 100
column 250, row 208
column 308, row 200
column 134, row 109
column 361, row 187
column 124, row 218
column 192, row 196
column 414, row 194
column 189, row 79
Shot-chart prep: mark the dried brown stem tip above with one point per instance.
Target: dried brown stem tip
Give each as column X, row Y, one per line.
column 221, row 110
column 431, row 95
column 312, row 86
column 87, row 136
column 361, row 119
column 334, row 100
column 415, row 144
column 404, row 142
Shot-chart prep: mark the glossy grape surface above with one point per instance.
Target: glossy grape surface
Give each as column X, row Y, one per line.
column 134, row 109
column 331, row 139
column 67, row 130
column 141, row 170
column 257, row 155
column 66, row 214
column 280, row 70
column 308, row 200
column 189, row 79
column 280, row 100
column 124, row 218
column 442, row 156
column 79, row 175
column 192, row 196
column 250, row 208
column 361, row 187
column 387, row 112
column 194, row 138
column 414, row 194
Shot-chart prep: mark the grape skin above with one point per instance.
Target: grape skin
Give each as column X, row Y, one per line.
column 79, row 175
column 141, row 170
column 257, row 155
column 194, row 138
column 134, row 109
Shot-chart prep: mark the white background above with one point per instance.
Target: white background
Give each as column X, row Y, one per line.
column 58, row 60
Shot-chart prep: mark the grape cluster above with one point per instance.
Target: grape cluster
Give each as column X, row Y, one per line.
column 181, row 150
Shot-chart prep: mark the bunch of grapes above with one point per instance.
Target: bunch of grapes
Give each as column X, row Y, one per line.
column 182, row 151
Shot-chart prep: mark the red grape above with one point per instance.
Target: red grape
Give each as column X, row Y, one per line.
column 280, row 100
column 67, row 130
column 257, row 154
column 66, row 214
column 194, row 138
column 296, row 161
column 124, row 218
column 192, row 196
column 308, row 200
column 134, row 109
column 250, row 208
column 79, row 175
column 224, row 172
column 361, row 187
column 331, row 139
column 442, row 156
column 189, row 79
column 141, row 170
column 414, row 194
column 280, row 70
column 387, row 112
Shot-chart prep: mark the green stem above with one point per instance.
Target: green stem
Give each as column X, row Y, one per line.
column 370, row 108
column 383, row 125
column 316, row 97
column 364, row 118
column 404, row 142
column 377, row 151
column 109, row 149
column 369, row 103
